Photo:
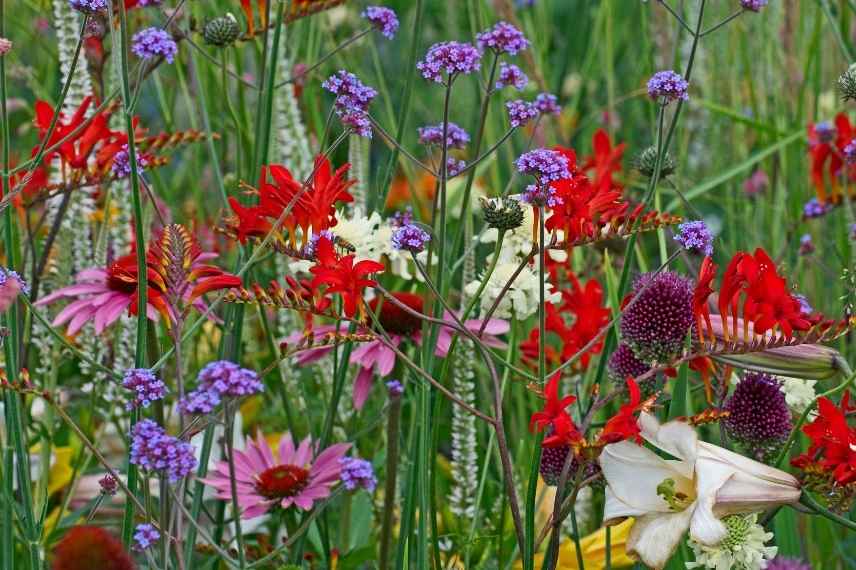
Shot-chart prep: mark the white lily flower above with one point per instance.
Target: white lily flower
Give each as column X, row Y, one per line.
column 693, row 491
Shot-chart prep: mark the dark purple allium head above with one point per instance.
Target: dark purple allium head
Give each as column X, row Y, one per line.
column 667, row 86
column 88, row 6
column 782, row 563
column 454, row 167
column 108, row 485
column 154, row 42
column 121, row 167
column 759, row 416
column 814, row 209
column 147, row 387
column 825, row 131
column 456, row 137
column 449, row 59
column 553, row 460
column 850, row 152
column 153, row 450
column 395, row 388
column 544, row 164
column 502, row 38
column 520, row 112
column 511, row 75
column 352, row 101
column 695, row 237
column 547, row 104
column 357, row 473
column 656, row 324
column 384, row 19
column 753, row 5
column 145, row 537
column 623, row 363
column 806, row 245
column 410, row 237
column 539, row 195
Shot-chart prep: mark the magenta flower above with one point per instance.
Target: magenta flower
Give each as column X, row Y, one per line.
column 291, row 476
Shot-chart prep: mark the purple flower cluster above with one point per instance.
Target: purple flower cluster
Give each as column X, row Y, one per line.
column 121, row 167
column 695, row 237
column 753, row 5
column 410, row 237
column 544, row 164
column 352, row 101
column 656, row 324
column 357, row 473
column 806, row 245
column 108, row 485
column 825, row 131
column 6, row 274
column 383, row 19
column 850, row 152
column 153, row 42
column 147, row 387
column 454, row 167
column 758, row 413
column 547, row 104
column 539, row 195
column 395, row 388
column 449, row 59
column 220, row 379
column 402, row 218
column 456, row 137
column 667, row 86
column 153, row 450
column 520, row 112
column 88, row 6
column 511, row 75
column 502, row 38
column 145, row 536
column 814, row 209
column 623, row 363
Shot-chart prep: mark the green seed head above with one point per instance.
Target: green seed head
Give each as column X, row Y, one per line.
column 221, row 31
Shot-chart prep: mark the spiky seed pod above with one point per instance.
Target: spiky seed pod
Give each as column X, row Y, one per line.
column 504, row 215
column 221, row 31
column 847, row 83
column 646, row 161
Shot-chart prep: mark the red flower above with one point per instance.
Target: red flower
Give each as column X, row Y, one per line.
column 833, row 442
column 605, row 161
column 625, row 424
column 703, row 291
column 555, row 416
column 827, row 157
column 341, row 275
column 250, row 221
column 88, row 547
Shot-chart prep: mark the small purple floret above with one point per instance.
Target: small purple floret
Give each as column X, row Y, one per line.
column 410, row 237
column 456, row 137
column 147, row 387
column 520, row 112
column 544, row 164
column 153, row 450
column 695, row 237
column 511, row 75
column 814, row 209
column 145, row 537
column 357, row 473
column 384, row 19
column 547, row 104
column 502, row 38
column 667, row 86
column 88, row 6
column 753, row 5
column 154, row 42
column 449, row 59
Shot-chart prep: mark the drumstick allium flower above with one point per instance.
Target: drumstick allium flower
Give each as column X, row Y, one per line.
column 655, row 326
column 759, row 416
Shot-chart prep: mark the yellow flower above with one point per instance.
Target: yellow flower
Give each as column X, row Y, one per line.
column 593, row 548
column 61, row 472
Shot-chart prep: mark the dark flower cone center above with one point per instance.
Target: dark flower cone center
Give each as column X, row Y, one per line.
column 282, row 481
column 393, row 318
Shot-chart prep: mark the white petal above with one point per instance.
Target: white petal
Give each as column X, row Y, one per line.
column 747, row 466
column 615, row 510
column 654, row 538
column 676, row 438
column 705, row 527
column 634, row 473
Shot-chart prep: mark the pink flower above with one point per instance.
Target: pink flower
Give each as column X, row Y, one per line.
column 375, row 357
column 291, row 476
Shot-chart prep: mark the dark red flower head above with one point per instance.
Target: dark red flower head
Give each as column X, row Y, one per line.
column 393, row 318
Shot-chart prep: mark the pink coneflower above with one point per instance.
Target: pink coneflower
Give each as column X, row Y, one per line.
column 375, row 356
column 291, row 476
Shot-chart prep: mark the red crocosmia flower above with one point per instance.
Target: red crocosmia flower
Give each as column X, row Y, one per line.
column 705, row 367
column 604, row 161
column 251, row 221
column 88, row 547
column 74, row 152
column 625, row 425
column 827, row 157
column 703, row 291
column 554, row 415
column 341, row 275
column 833, row 442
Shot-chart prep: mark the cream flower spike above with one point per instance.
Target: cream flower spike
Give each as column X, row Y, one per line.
column 693, row 491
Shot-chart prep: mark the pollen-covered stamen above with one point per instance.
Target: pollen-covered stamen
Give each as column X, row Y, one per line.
column 282, row 481
column 393, row 318
column 677, row 499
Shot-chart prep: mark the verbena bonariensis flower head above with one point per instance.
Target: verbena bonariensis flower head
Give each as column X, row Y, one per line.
column 502, row 38
column 352, row 101
column 759, row 416
column 145, row 537
column 454, row 166
column 11, row 285
column 667, row 86
column 540, row 195
column 395, row 388
column 147, row 387
column 544, row 164
column 121, row 167
column 108, row 485
column 410, row 237
column 290, row 475
column 456, row 137
column 357, row 473
column 219, row 380
column 88, row 6
column 656, row 324
column 695, row 237
column 511, row 75
column 520, row 112
column 153, row 450
column 814, row 209
column 806, row 245
column 384, row 19
column 154, row 42
column 447, row 60
column 753, row 5
column 547, row 104
column 86, row 547
column 623, row 363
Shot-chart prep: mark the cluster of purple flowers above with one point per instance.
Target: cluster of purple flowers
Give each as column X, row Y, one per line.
column 806, row 245
column 668, row 86
column 357, row 473
column 147, row 387
column 449, row 59
column 88, row 6
column 153, row 450
column 502, row 38
column 153, row 42
column 753, row 5
column 352, row 101
column 145, row 536
column 814, row 209
column 544, row 164
column 121, row 167
column 395, row 388
column 7, row 274
column 108, row 485
column 410, row 237
column 520, row 112
column 759, row 416
column 402, row 218
column 454, row 167
column 623, row 363
column 220, row 379
column 547, row 104
column 656, row 323
column 695, row 237
column 456, row 137
column 384, row 19
column 540, row 195
column 511, row 75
